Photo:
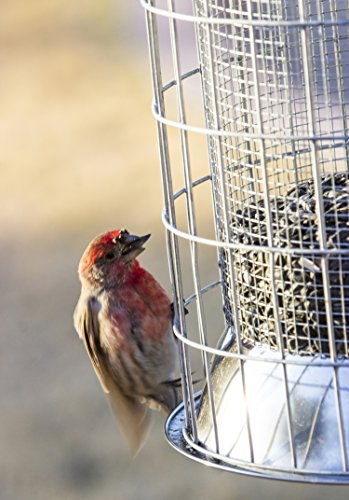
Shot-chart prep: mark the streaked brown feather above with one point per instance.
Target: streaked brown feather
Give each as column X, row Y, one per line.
column 131, row 415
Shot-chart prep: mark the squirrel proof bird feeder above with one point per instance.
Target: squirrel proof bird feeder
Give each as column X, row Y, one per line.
column 251, row 100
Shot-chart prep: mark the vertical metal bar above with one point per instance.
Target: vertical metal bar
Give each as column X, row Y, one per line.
column 289, row 98
column 248, row 144
column 340, row 80
column 173, row 250
column 332, row 159
column 204, row 63
column 198, row 32
column 270, row 235
column 230, row 257
column 309, row 87
column 339, row 74
column 191, row 216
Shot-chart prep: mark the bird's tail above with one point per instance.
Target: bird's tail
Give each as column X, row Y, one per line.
column 132, row 416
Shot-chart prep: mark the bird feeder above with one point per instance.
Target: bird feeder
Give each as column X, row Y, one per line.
column 264, row 85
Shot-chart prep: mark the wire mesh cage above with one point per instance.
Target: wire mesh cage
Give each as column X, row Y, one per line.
column 251, row 100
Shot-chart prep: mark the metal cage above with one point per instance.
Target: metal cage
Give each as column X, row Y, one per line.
column 251, row 99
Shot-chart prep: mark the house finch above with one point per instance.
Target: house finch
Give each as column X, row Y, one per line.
column 124, row 318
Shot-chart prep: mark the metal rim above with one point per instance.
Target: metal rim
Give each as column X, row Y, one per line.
column 176, row 437
column 147, row 5
column 216, row 132
column 237, row 246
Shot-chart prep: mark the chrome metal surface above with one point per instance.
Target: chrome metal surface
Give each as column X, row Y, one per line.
column 178, row 439
column 251, row 101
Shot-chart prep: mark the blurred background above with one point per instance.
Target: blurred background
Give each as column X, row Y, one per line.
column 78, row 156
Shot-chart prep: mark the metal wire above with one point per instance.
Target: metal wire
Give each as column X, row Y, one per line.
column 267, row 83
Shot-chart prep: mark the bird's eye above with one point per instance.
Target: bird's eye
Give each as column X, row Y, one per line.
column 109, row 255
column 122, row 234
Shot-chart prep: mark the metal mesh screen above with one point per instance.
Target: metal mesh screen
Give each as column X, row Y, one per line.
column 278, row 90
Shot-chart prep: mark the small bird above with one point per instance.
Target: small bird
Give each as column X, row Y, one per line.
column 124, row 318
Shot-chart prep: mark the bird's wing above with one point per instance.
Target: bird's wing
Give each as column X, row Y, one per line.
column 132, row 416
column 87, row 325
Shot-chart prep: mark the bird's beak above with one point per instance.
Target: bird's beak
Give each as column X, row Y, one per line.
column 133, row 245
